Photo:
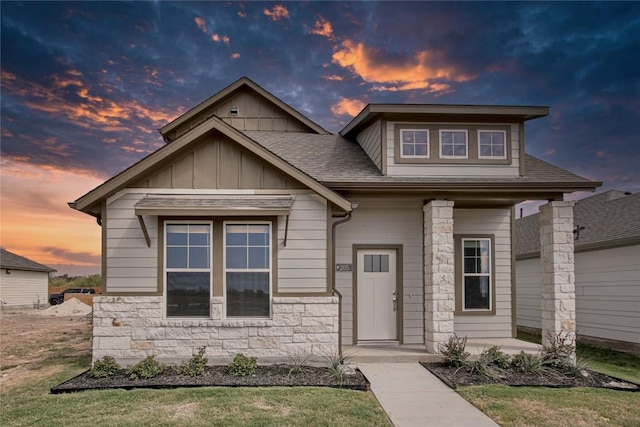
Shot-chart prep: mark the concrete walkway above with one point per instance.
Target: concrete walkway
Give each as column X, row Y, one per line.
column 413, row 396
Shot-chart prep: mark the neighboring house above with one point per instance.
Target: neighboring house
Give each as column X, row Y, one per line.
column 22, row 281
column 607, row 270
column 255, row 230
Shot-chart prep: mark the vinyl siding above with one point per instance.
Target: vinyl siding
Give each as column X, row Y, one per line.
column 495, row 222
column 453, row 170
column 391, row 222
column 302, row 264
column 369, row 140
column 607, row 293
column 24, row 287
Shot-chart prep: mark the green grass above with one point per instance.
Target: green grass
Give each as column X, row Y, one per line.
column 31, row 404
column 539, row 406
column 617, row 364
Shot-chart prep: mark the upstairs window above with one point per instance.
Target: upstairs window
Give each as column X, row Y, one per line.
column 415, row 143
column 492, row 144
column 453, row 144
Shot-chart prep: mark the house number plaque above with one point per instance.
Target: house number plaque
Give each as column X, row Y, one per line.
column 344, row 267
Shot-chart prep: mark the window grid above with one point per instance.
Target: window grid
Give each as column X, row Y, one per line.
column 492, row 144
column 453, row 144
column 415, row 143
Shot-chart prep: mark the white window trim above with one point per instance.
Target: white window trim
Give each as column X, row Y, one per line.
column 224, row 269
column 466, row 143
column 504, row 144
column 489, row 274
column 166, row 270
column 403, row 156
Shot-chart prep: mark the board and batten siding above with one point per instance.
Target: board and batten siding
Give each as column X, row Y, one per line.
column 453, row 169
column 385, row 222
column 496, row 222
column 369, row 140
column 23, row 287
column 133, row 267
column 302, row 264
column 607, row 293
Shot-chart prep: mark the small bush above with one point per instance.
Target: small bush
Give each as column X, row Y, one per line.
column 339, row 372
column 560, row 354
column 495, row 356
column 527, row 363
column 297, row 365
column 243, row 365
column 194, row 367
column 105, row 367
column 147, row 368
column 454, row 351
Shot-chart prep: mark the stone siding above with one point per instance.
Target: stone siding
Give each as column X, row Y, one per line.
column 131, row 328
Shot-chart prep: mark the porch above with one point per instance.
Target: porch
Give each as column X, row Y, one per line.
column 418, row 353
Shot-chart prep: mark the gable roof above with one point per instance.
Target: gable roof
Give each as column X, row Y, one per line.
column 89, row 203
column 9, row 260
column 340, row 163
column 473, row 112
column 609, row 218
column 243, row 81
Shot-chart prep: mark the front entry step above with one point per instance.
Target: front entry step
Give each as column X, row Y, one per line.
column 380, row 343
column 388, row 354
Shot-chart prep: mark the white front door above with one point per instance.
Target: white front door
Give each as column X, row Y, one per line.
column 376, row 297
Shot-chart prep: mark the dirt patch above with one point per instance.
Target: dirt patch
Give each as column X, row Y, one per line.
column 465, row 376
column 71, row 307
column 33, row 345
column 182, row 411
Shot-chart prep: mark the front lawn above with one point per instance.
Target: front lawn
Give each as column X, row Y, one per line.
column 576, row 407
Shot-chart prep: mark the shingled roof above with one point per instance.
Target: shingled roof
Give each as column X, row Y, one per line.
column 332, row 159
column 608, row 218
column 9, row 260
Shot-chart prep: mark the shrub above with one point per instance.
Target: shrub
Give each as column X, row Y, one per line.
column 147, row 368
column 194, row 367
column 297, row 364
column 559, row 354
column 105, row 367
column 243, row 365
column 527, row 363
column 495, row 356
column 453, row 351
column 338, row 371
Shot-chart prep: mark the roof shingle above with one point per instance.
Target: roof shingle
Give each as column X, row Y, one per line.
column 9, row 260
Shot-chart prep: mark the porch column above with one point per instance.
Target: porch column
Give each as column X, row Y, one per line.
column 439, row 279
column 558, row 298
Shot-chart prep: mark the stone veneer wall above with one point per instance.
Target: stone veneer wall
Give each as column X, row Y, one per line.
column 131, row 328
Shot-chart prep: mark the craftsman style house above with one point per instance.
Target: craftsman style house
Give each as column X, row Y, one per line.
column 255, row 230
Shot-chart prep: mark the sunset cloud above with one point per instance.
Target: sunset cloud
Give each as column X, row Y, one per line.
column 322, row 28
column 235, row 55
column 202, row 26
column 333, row 77
column 397, row 74
column 277, row 13
column 347, row 107
column 220, row 39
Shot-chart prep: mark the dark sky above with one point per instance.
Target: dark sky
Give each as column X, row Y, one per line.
column 85, row 85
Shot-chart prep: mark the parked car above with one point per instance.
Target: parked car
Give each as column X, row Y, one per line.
column 59, row 298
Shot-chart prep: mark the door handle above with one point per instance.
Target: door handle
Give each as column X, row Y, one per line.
column 395, row 303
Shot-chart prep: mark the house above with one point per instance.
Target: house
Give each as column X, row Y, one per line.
column 607, row 270
column 255, row 230
column 22, row 282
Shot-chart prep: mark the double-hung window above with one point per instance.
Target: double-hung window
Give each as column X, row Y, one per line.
column 492, row 144
column 247, row 276
column 188, row 269
column 453, row 144
column 415, row 143
column 476, row 274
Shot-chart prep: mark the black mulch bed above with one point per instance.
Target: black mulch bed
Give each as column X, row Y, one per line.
column 454, row 377
column 265, row 376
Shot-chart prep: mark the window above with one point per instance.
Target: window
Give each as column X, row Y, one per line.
column 476, row 274
column 188, row 269
column 376, row 263
column 492, row 144
column 453, row 144
column 247, row 269
column 415, row 143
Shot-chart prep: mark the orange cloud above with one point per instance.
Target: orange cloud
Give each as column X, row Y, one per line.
column 333, row 77
column 202, row 26
column 347, row 107
column 217, row 38
column 241, row 14
column 322, row 28
column 235, row 55
column 277, row 13
column 414, row 73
